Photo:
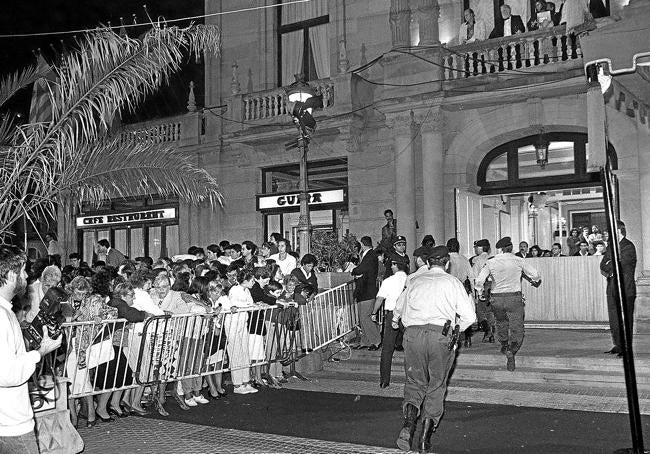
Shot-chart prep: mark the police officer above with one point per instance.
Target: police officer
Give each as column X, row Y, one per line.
column 431, row 299
column 398, row 255
column 506, row 300
column 486, row 319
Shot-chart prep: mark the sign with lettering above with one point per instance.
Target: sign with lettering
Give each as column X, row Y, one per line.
column 126, row 218
column 292, row 201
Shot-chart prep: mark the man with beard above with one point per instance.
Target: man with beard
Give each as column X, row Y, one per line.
column 16, row 415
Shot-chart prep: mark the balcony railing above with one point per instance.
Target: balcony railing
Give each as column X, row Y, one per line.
column 526, row 50
column 165, row 130
column 273, row 103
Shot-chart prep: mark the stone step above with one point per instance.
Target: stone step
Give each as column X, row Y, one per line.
column 539, row 396
column 607, row 363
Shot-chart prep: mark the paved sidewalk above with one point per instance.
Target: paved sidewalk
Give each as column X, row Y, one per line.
column 150, row 436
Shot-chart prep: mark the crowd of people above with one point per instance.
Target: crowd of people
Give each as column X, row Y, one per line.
column 231, row 279
column 582, row 241
column 546, row 15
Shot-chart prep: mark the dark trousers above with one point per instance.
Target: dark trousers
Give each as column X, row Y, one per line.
column 508, row 310
column 484, row 313
column 427, row 363
column 388, row 347
column 617, row 335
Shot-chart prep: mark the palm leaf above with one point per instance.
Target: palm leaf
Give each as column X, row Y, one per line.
column 15, row 82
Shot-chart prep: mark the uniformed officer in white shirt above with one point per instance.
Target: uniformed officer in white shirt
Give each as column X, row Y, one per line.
column 486, row 320
column 430, row 301
column 390, row 290
column 506, row 299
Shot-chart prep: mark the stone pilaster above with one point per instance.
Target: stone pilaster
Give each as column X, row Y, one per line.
column 400, row 22
column 433, row 163
column 428, row 13
column 402, row 127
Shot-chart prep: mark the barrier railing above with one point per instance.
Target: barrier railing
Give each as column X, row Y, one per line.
column 329, row 317
column 114, row 355
column 99, row 356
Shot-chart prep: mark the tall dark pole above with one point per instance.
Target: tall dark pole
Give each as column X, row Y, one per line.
column 624, row 320
column 304, row 223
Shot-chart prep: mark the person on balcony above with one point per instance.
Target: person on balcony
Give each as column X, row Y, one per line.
column 575, row 13
column 471, row 29
column 508, row 24
column 541, row 18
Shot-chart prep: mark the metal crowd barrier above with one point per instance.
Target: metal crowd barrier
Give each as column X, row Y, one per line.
column 329, row 317
column 113, row 355
column 98, row 356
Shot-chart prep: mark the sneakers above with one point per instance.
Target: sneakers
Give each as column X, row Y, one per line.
column 190, row 402
column 244, row 389
column 200, row 399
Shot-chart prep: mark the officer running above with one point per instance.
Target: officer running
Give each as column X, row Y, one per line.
column 506, row 300
column 430, row 301
column 485, row 316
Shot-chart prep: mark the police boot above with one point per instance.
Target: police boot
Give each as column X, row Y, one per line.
column 427, row 429
column 406, row 434
column 468, row 339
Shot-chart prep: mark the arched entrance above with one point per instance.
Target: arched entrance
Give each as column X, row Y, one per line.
column 539, row 198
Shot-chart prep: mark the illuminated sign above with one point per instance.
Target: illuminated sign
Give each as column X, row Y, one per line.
column 126, row 218
column 287, row 201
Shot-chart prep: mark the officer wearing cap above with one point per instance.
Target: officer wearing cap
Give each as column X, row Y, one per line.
column 486, row 320
column 506, row 300
column 398, row 255
column 431, row 299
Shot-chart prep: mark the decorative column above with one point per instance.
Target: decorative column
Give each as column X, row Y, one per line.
column 400, row 22
column 405, row 178
column 433, row 161
column 428, row 14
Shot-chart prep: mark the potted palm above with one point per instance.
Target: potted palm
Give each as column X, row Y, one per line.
column 333, row 257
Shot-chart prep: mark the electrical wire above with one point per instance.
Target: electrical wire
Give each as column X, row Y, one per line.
column 162, row 20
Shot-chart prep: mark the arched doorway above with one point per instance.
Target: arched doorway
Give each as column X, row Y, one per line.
column 521, row 196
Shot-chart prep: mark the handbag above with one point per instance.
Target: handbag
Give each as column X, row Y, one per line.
column 101, row 350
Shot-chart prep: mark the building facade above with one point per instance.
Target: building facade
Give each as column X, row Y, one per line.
column 445, row 135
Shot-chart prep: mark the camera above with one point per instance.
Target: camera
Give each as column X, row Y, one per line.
column 49, row 316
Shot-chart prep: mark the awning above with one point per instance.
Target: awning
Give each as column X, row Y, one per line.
column 624, row 44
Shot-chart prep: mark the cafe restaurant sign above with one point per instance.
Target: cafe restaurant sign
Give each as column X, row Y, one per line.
column 292, row 201
column 126, row 218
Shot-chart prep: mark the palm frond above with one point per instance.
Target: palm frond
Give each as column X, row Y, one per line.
column 114, row 168
column 15, row 82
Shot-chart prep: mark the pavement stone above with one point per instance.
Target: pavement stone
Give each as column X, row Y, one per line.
column 135, row 435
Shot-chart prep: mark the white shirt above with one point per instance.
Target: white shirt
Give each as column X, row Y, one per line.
column 433, row 298
column 287, row 265
column 506, row 270
column 143, row 302
column 391, row 289
column 16, row 414
column 507, row 28
column 238, row 296
column 459, row 267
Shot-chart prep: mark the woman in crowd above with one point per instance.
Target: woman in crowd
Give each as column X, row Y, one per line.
column 274, row 375
column 117, row 372
column 599, row 247
column 535, row 251
column 235, row 324
column 288, row 316
column 307, row 280
column 471, row 29
column 594, row 236
column 217, row 344
column 573, row 242
column 258, row 326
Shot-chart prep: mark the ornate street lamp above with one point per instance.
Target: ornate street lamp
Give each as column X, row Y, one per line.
column 541, row 149
column 302, row 99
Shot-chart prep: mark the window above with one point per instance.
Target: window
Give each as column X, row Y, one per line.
column 512, row 167
column 322, row 175
column 303, row 41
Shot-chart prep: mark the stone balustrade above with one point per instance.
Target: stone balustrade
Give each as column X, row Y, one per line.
column 165, row 130
column 518, row 52
column 273, row 103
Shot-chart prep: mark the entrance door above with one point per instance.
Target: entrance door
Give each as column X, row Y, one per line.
column 469, row 220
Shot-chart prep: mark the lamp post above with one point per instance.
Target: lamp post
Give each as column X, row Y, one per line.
column 302, row 99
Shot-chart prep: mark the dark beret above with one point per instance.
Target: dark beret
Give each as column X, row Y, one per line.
column 504, row 242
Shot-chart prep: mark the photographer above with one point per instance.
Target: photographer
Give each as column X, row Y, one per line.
column 16, row 415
